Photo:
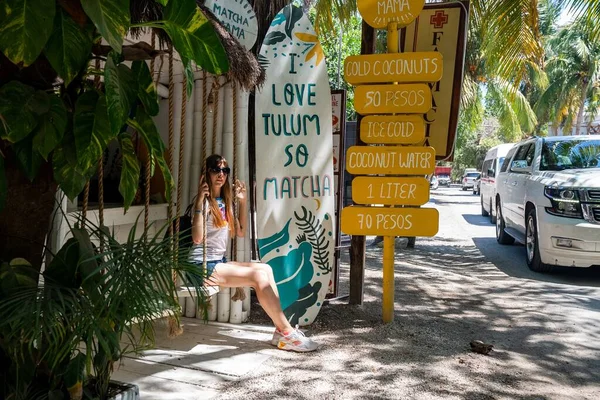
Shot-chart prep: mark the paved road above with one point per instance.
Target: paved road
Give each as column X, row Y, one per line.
column 456, row 205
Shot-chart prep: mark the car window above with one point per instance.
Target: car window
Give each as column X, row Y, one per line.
column 485, row 167
column 521, row 158
column 506, row 162
column 530, row 154
column 570, row 153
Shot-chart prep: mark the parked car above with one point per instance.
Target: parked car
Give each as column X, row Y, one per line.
column 489, row 171
column 433, row 182
column 477, row 185
column 469, row 177
column 444, row 180
column 548, row 198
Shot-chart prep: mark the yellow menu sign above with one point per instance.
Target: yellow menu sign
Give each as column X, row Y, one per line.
column 385, row 221
column 390, row 190
column 392, row 129
column 411, row 98
column 378, row 13
column 392, row 160
column 394, row 67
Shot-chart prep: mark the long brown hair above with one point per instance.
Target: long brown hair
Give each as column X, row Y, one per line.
column 216, row 161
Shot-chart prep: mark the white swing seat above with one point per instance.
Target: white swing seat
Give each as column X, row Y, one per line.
column 185, row 291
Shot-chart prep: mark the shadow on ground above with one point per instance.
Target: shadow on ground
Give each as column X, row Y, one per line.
column 546, row 335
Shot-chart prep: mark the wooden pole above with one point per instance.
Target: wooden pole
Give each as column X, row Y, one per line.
column 357, row 247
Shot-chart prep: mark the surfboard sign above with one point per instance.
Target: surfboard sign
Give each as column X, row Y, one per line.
column 295, row 189
column 237, row 16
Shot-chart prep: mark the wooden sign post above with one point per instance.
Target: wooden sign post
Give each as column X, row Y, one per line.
column 394, row 92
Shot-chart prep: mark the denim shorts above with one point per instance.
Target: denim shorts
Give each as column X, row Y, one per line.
column 210, row 268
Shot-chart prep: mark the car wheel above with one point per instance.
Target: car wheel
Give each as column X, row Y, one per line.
column 484, row 213
column 534, row 260
column 501, row 236
column 492, row 215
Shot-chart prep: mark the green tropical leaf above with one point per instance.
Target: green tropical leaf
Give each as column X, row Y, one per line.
column 75, row 374
column 145, row 126
column 83, row 121
column 130, row 170
column 17, row 274
column 70, row 177
column 25, row 26
column 147, row 90
column 188, row 71
column 194, row 37
column 91, row 132
column 121, row 91
column 30, row 160
column 3, row 184
column 68, row 48
column 112, row 19
column 19, row 104
column 64, row 266
column 51, row 127
column 163, row 2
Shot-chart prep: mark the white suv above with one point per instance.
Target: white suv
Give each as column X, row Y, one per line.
column 549, row 199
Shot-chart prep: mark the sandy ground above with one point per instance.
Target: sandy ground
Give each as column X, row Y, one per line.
column 546, row 335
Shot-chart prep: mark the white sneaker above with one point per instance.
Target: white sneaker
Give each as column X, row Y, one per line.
column 294, row 341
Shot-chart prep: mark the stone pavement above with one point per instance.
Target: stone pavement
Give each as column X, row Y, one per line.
column 198, row 363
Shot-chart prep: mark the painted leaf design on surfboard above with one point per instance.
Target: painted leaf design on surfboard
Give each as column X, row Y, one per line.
column 315, row 50
column 279, row 19
column 292, row 15
column 308, row 296
column 266, row 245
column 263, row 61
column 315, row 233
column 292, row 272
column 274, row 38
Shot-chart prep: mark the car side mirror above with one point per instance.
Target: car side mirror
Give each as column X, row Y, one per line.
column 520, row 166
column 490, row 172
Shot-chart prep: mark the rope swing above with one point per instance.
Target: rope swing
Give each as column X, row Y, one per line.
column 174, row 326
column 239, row 292
column 203, row 172
column 148, row 165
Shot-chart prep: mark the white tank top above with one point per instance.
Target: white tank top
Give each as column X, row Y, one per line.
column 217, row 238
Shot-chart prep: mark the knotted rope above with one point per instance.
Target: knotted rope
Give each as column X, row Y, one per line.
column 174, row 326
column 239, row 292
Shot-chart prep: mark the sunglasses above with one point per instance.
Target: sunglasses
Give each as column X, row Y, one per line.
column 225, row 170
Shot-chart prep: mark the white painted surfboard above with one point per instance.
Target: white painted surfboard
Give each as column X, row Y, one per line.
column 294, row 172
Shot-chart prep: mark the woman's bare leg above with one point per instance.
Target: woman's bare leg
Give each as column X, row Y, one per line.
column 260, row 277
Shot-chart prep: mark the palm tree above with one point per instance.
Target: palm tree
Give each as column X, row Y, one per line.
column 573, row 67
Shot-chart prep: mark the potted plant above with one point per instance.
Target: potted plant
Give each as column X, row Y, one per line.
column 61, row 336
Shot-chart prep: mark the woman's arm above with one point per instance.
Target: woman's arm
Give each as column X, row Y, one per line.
column 240, row 192
column 198, row 219
column 197, row 224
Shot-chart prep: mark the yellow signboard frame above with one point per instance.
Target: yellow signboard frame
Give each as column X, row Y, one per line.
column 426, row 66
column 390, row 160
column 410, row 98
column 379, row 13
column 392, row 129
column 390, row 190
column 408, row 222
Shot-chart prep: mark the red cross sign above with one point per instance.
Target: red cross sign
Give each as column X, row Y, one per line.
column 439, row 19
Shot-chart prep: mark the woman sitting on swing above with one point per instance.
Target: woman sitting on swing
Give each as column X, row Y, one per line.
column 216, row 189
